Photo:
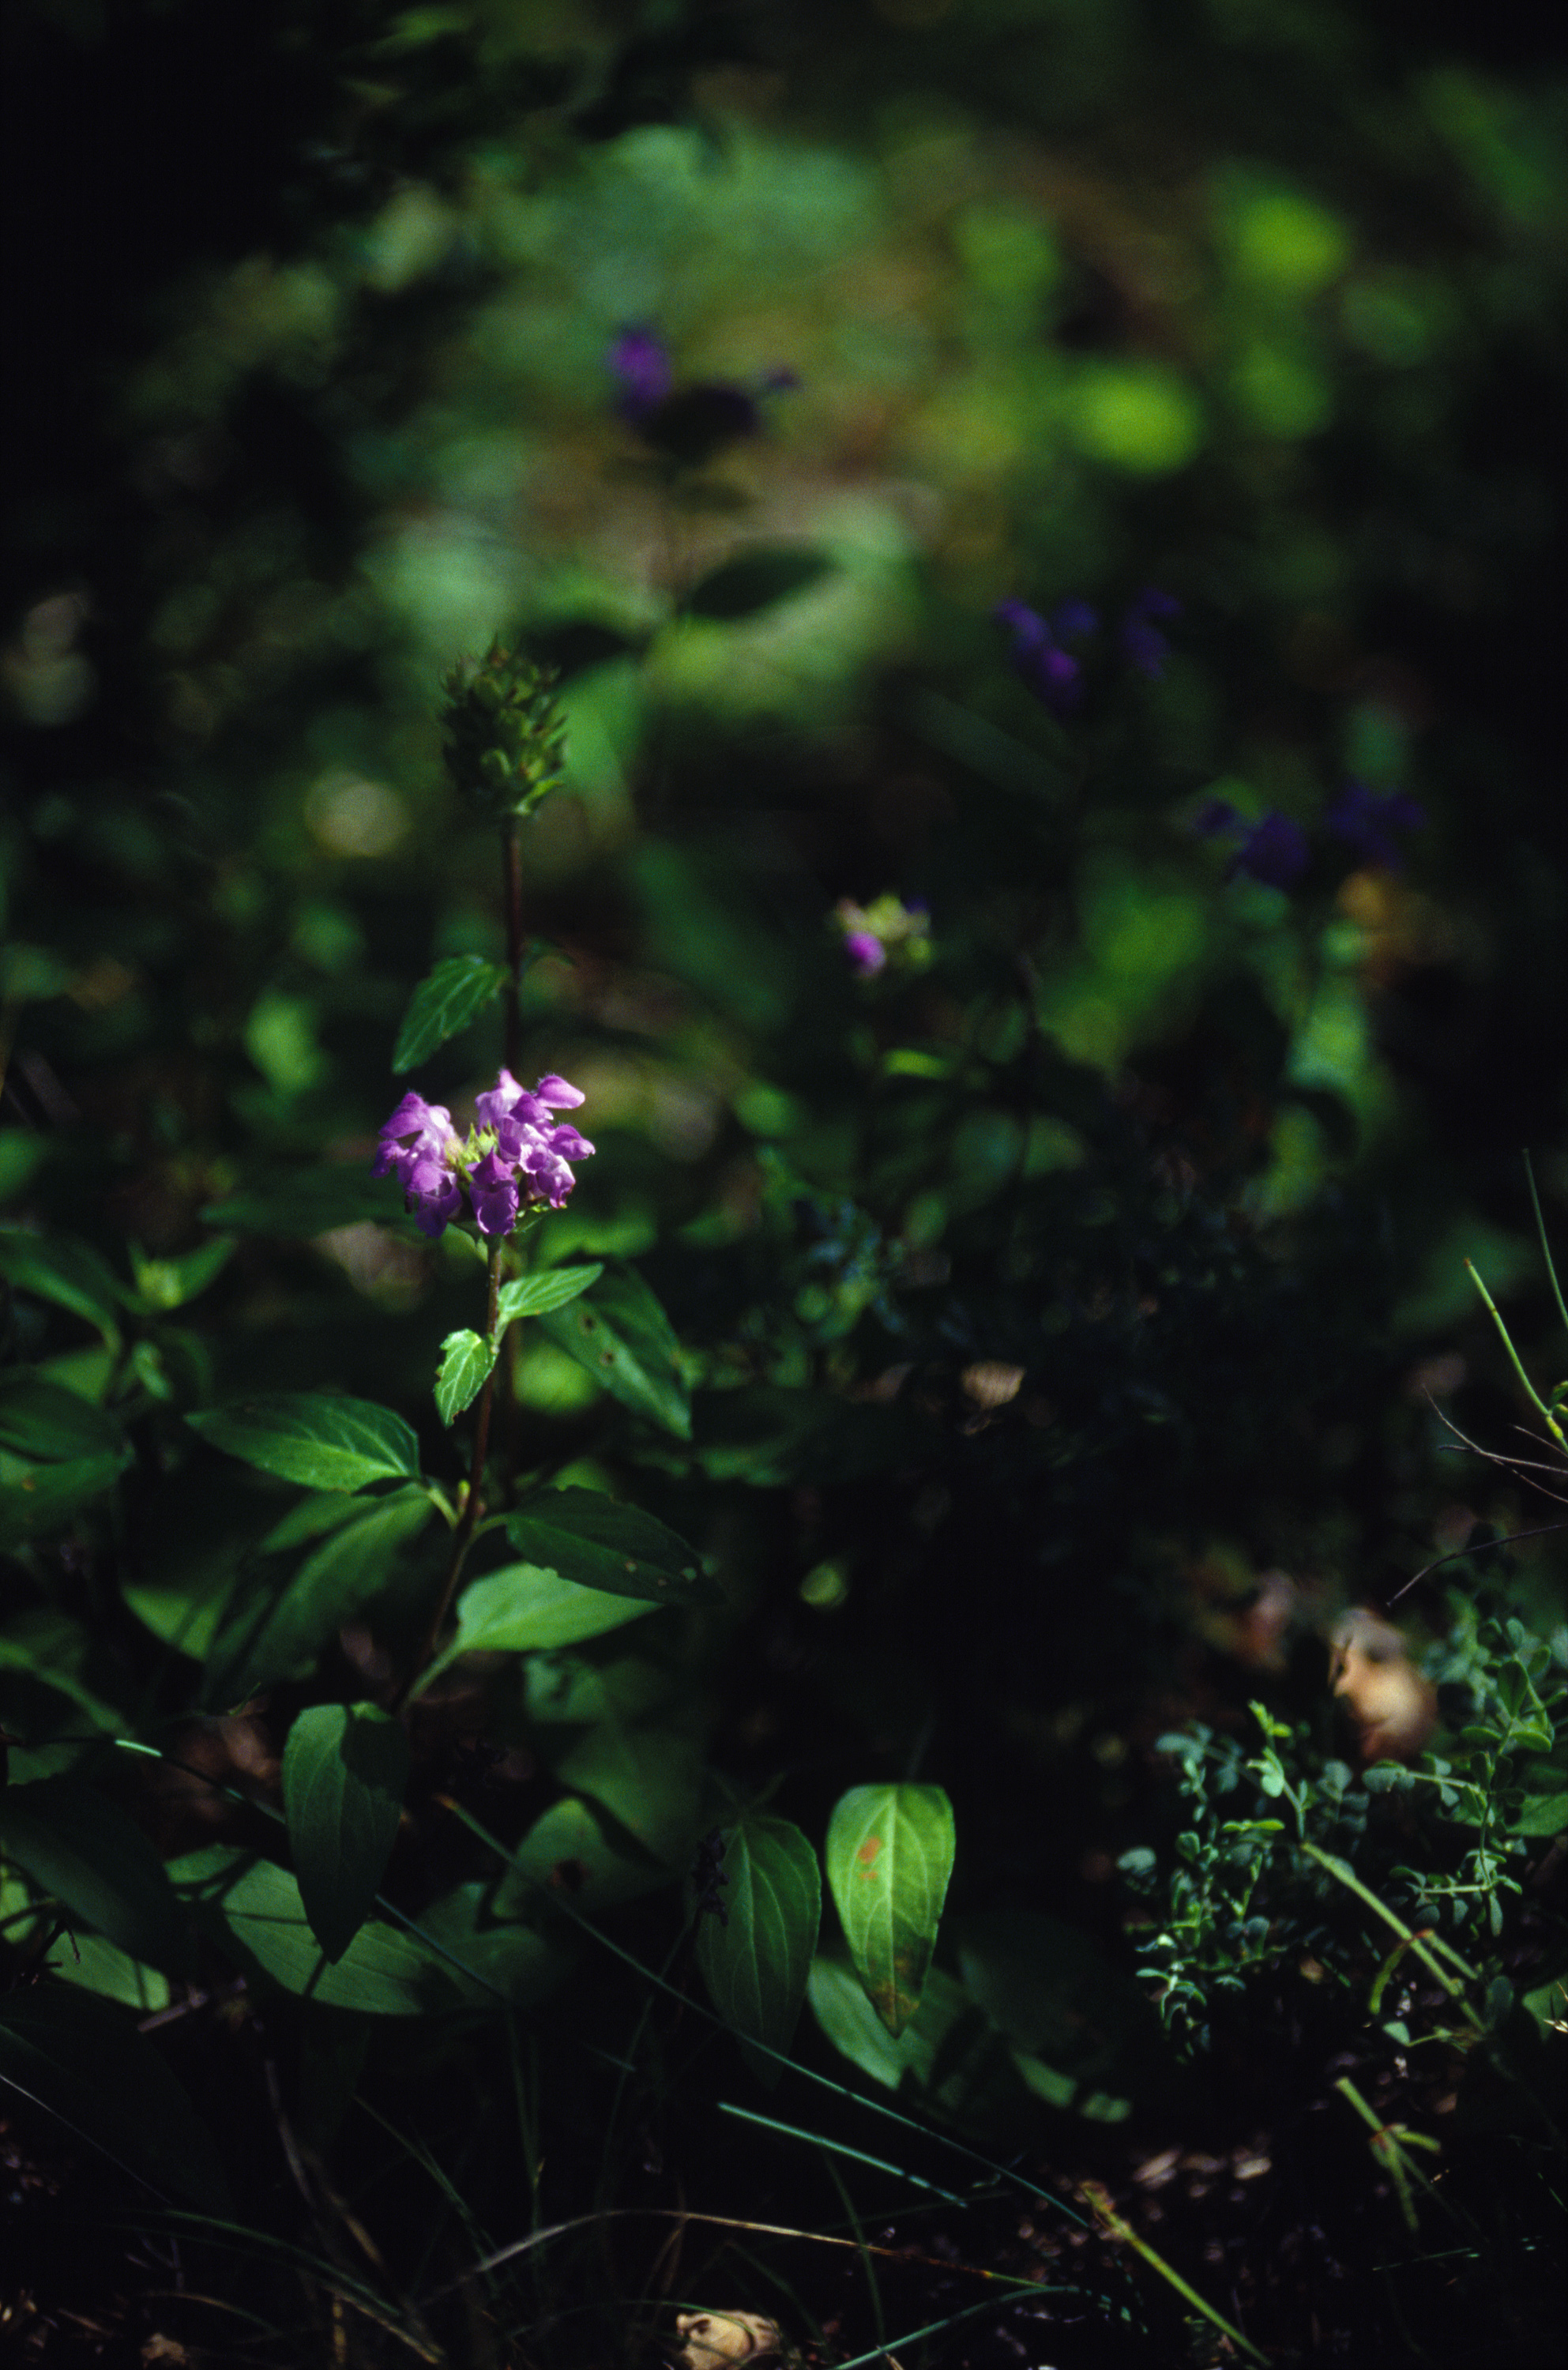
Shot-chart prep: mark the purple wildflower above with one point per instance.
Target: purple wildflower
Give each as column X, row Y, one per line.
column 517, row 1157
column 1215, row 818
column 688, row 424
column 1367, row 823
column 1273, row 850
column 1142, row 642
column 1038, row 660
column 643, row 366
column 866, row 952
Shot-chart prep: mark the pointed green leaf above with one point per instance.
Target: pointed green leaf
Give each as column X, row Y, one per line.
column 512, row 1953
column 521, row 1607
column 535, row 1296
column 466, row 1363
column 454, row 993
column 58, row 1269
column 1540, row 1814
column 345, row 1773
column 568, row 1852
column 756, row 1959
column 85, row 1850
column 889, row 1856
column 271, row 1636
column 325, row 1443
column 621, row 1334
column 41, row 1420
column 169, row 1284
column 48, row 1496
column 84, row 2060
column 589, row 1537
column 254, row 1911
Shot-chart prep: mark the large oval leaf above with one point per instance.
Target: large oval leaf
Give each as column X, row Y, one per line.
column 277, row 1635
column 86, row 2063
column 454, row 994
column 521, row 1607
column 889, row 1858
column 756, row 1954
column 254, row 1910
column 621, row 1334
column 592, row 1538
column 345, row 1773
column 95, row 1860
column 306, row 1436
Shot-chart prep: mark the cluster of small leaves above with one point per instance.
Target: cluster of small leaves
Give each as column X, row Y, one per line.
column 505, row 733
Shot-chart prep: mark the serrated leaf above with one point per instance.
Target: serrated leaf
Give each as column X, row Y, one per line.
column 889, row 1854
column 305, row 1436
column 589, row 1537
column 454, row 994
column 69, row 1274
column 756, row 581
column 755, row 1963
column 536, row 1295
column 42, row 1419
column 302, row 1203
column 44, row 1498
column 85, row 1850
column 621, row 1336
column 277, row 1635
column 85, row 2062
column 521, row 1607
column 345, row 1773
column 253, row 1909
column 466, row 1365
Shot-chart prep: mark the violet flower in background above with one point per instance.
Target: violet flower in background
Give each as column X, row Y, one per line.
column 1367, row 823
column 885, row 930
column 1273, row 850
column 1141, row 639
column 1052, row 673
column 688, row 424
column 516, row 1159
column 643, row 366
column 867, row 953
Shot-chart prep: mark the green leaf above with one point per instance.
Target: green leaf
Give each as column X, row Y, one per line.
column 345, row 1773
column 1540, row 1814
column 648, row 1778
column 169, row 1284
column 96, row 1964
column 621, row 1334
column 950, row 2053
column 1083, row 2036
column 300, row 1203
column 521, row 1607
column 45, row 1498
column 253, row 1909
column 58, row 1269
column 758, row 580
column 42, row 1419
column 509, row 1952
column 454, row 993
column 568, row 1853
column 268, row 1638
column 324, row 1442
column 889, row 1854
column 535, row 1296
column 94, row 1859
column 589, row 1537
column 84, row 2061
column 466, row 1363
column 755, row 1963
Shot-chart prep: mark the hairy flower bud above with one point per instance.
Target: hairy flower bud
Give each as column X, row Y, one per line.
column 505, row 736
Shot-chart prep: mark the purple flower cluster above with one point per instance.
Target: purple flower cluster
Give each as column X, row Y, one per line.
column 515, row 1158
column 1275, row 850
column 688, row 424
column 1052, row 673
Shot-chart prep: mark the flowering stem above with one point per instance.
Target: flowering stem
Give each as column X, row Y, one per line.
column 473, row 1506
column 513, row 854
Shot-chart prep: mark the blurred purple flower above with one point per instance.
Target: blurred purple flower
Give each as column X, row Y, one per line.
column 1273, row 850
column 516, row 1157
column 867, row 953
column 688, row 424
column 643, row 366
column 1142, row 642
column 1038, row 660
column 1367, row 823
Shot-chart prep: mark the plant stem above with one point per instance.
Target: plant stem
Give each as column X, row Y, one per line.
column 1348, row 1878
column 1551, row 1424
column 473, row 1506
column 513, row 854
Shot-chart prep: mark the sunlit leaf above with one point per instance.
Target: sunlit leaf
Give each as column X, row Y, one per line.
column 84, row 2060
column 889, row 1855
column 622, row 1337
column 536, row 1295
column 756, row 1958
column 85, row 1850
column 466, row 1365
column 454, row 993
column 521, row 1607
column 274, row 1636
column 591, row 1538
column 568, row 1853
column 345, row 1773
column 167, row 1283
column 306, row 1436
